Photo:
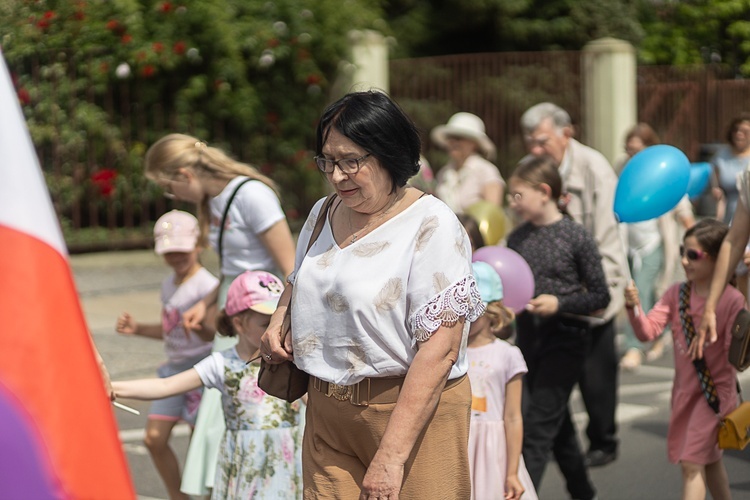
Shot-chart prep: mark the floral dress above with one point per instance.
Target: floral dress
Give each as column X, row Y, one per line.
column 260, row 454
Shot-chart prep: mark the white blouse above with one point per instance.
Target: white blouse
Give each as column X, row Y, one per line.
column 359, row 311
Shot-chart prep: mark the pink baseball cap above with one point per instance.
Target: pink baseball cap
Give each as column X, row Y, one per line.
column 175, row 231
column 256, row 290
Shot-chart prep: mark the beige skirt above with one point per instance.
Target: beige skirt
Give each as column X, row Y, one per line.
column 341, row 439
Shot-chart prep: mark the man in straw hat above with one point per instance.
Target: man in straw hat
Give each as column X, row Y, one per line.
column 588, row 195
column 469, row 177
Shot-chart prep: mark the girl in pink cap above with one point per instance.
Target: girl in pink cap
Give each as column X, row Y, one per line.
column 260, row 456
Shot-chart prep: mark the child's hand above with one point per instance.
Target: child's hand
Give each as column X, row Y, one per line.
column 193, row 317
column 543, row 305
column 513, row 488
column 126, row 325
column 632, row 299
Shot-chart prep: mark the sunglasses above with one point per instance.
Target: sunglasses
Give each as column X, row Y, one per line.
column 691, row 254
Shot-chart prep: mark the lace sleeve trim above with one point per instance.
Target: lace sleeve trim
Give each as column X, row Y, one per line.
column 460, row 299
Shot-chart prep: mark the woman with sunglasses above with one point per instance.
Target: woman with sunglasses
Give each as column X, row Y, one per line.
column 693, row 423
column 256, row 236
column 380, row 310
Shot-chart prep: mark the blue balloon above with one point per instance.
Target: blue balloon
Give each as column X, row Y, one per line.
column 652, row 183
column 699, row 175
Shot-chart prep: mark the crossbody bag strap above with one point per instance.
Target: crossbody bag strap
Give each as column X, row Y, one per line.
column 704, row 375
column 224, row 218
column 319, row 223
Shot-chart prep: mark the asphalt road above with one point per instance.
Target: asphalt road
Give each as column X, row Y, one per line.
column 112, row 282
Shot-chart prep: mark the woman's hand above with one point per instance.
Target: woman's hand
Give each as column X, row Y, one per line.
column 382, row 481
column 513, row 488
column 543, row 305
column 271, row 349
column 632, row 299
column 706, row 330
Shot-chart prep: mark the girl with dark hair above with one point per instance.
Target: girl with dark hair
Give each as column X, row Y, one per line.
column 382, row 304
column 553, row 331
column 695, row 417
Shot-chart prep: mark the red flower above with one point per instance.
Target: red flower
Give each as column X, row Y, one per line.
column 179, row 48
column 165, row 7
column 126, row 38
column 112, row 25
column 148, row 70
column 158, row 47
column 104, row 180
column 43, row 24
column 23, row 96
column 313, row 79
column 273, row 42
column 50, row 14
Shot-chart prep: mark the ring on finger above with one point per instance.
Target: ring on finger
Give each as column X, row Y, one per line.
column 268, row 357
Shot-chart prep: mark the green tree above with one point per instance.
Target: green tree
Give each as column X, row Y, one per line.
column 465, row 26
column 100, row 80
column 697, row 32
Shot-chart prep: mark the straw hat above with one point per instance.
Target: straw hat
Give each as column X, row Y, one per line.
column 468, row 126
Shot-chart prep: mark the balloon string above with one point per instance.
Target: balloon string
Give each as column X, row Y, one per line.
column 628, row 275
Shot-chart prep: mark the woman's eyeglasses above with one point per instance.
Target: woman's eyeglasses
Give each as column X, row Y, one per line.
column 348, row 166
column 691, row 254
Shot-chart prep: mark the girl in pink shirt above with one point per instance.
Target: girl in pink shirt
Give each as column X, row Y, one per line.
column 693, row 423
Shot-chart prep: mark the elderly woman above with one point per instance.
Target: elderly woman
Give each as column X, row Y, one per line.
column 381, row 305
column 469, row 176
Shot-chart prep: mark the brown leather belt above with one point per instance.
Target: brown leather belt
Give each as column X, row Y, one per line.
column 381, row 390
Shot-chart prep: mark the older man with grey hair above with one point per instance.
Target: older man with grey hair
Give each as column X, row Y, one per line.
column 588, row 197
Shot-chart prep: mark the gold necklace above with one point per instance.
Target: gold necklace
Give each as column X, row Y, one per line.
column 358, row 234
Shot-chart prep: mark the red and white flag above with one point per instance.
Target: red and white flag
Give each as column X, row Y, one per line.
column 58, row 437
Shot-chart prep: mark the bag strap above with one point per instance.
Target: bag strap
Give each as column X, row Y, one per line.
column 224, row 218
column 704, row 375
column 319, row 223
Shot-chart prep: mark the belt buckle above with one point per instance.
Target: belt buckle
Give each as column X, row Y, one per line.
column 340, row 392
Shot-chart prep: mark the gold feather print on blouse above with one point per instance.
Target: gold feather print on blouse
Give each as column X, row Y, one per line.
column 337, row 302
column 307, row 345
column 440, row 282
column 370, row 249
column 426, row 230
column 389, row 295
column 357, row 358
column 326, row 259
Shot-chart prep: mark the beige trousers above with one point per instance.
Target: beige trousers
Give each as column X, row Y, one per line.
column 341, row 439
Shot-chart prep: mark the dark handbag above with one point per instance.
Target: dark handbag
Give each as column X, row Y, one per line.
column 284, row 380
column 739, row 348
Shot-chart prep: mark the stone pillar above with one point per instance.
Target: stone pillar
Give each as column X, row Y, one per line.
column 609, row 95
column 367, row 67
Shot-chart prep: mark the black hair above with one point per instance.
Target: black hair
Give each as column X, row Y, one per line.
column 375, row 122
column 710, row 234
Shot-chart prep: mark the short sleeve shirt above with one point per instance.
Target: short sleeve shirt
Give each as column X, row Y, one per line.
column 253, row 211
column 176, row 299
column 461, row 188
column 359, row 311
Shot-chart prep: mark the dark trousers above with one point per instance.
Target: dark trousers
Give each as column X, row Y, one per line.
column 555, row 352
column 598, row 385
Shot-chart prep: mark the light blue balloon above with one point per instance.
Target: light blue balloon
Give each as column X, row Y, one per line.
column 652, row 183
column 699, row 176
